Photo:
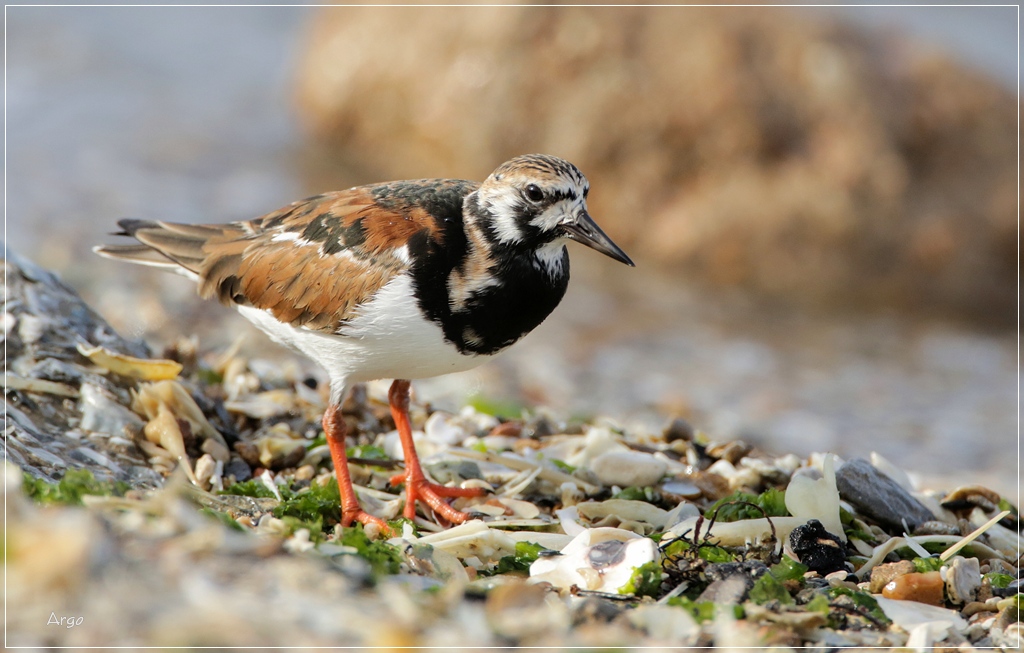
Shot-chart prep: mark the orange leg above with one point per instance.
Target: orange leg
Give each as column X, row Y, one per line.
column 417, row 487
column 334, row 431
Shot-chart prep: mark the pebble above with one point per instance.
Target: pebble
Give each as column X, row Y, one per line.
column 922, row 588
column 876, row 495
column 966, row 498
column 219, row 452
column 679, row 429
column 882, row 574
column 628, row 468
column 727, row 591
column 305, row 473
column 681, row 488
column 977, row 607
column 205, row 468
column 518, row 610
column 963, row 578
column 238, row 468
column 732, row 451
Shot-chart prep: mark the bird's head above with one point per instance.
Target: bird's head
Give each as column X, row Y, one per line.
column 535, row 200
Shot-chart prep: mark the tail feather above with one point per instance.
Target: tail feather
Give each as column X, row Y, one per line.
column 140, row 254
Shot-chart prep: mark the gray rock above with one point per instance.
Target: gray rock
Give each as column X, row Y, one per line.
column 877, row 496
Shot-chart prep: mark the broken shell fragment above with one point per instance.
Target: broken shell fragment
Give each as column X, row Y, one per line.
column 598, row 559
column 15, row 382
column 968, row 497
column 817, row 498
column 147, row 400
column 264, row 405
column 163, row 430
column 137, row 368
column 278, row 452
column 101, row 412
column 637, row 516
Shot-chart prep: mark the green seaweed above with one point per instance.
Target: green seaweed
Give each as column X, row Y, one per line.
column 703, row 611
column 318, row 502
column 819, row 603
column 862, row 600
column 788, row 569
column 518, row 563
column 367, row 452
column 496, row 407
column 70, row 489
column 251, row 488
column 713, row 553
column 772, row 501
column 645, row 581
column 223, row 518
column 562, row 465
column 769, row 588
column 924, row 565
column 384, row 558
column 998, row 580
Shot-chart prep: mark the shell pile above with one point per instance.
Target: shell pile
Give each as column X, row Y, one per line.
column 590, row 533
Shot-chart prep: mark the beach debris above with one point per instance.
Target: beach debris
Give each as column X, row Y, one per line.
column 877, row 496
column 147, row 369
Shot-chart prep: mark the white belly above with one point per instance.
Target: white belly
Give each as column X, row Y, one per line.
column 388, row 339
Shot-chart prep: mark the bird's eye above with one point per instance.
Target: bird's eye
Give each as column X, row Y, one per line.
column 534, row 193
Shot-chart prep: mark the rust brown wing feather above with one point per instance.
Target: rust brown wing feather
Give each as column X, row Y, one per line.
column 312, row 263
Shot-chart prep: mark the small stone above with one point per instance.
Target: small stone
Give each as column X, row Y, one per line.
column 628, row 468
column 513, row 429
column 922, row 588
column 966, row 498
column 712, row 486
column 305, row 473
column 732, row 451
column 882, row 574
column 977, row 607
column 727, row 591
column 517, row 610
column 820, row 550
column 219, row 452
column 238, row 468
column 681, row 488
column 205, row 467
column 876, row 495
column 679, row 429
column 963, row 578
column 248, row 451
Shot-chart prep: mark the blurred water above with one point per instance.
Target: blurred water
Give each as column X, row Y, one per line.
column 184, row 114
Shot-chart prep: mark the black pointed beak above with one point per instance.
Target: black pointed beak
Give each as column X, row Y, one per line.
column 584, row 230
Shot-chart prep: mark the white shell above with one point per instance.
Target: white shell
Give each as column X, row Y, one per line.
column 599, row 559
column 637, row 516
column 626, row 468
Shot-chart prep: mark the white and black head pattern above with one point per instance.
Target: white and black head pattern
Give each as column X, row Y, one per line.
column 528, row 198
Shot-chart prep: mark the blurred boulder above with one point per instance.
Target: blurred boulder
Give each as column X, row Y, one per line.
column 764, row 148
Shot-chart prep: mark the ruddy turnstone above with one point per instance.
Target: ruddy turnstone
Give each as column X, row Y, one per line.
column 401, row 280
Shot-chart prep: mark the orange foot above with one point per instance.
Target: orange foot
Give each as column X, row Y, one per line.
column 418, row 488
column 357, row 514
